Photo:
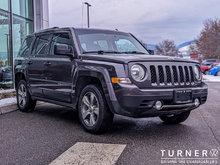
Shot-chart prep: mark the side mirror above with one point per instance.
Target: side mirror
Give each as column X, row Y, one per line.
column 151, row 52
column 63, row 49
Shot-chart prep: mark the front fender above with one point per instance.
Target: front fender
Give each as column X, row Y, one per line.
column 102, row 75
column 103, row 71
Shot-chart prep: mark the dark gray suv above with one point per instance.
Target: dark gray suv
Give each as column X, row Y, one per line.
column 100, row 73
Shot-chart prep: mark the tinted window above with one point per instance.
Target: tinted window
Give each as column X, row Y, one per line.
column 41, row 45
column 60, row 38
column 25, row 48
column 211, row 60
column 205, row 64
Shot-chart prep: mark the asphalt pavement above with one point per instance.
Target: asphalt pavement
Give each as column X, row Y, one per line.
column 39, row 137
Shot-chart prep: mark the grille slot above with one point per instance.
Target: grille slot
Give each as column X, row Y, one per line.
column 168, row 72
column 187, row 74
column 192, row 74
column 175, row 76
column 153, row 74
column 181, row 74
column 161, row 74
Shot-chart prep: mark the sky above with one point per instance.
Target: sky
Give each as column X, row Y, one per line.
column 151, row 21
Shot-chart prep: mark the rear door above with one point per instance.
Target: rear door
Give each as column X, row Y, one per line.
column 59, row 71
column 37, row 63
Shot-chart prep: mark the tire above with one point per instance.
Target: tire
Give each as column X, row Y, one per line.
column 24, row 101
column 175, row 119
column 94, row 115
column 207, row 72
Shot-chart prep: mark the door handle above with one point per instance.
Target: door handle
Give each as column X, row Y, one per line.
column 47, row 63
column 29, row 62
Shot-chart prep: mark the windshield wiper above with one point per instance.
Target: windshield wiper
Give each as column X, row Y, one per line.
column 113, row 52
column 133, row 52
column 102, row 52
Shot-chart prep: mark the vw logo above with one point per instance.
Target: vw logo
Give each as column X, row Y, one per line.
column 213, row 153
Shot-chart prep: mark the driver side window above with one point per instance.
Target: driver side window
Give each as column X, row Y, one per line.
column 60, row 38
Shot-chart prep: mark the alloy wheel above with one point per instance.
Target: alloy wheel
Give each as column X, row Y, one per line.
column 22, row 95
column 90, row 109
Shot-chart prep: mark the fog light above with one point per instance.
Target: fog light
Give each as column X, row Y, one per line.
column 196, row 102
column 158, row 105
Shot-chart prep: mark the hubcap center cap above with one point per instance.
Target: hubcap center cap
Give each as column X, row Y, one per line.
column 91, row 108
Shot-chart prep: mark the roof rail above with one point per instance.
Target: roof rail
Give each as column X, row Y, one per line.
column 48, row 29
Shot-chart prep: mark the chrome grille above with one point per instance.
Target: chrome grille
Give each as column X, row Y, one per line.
column 176, row 75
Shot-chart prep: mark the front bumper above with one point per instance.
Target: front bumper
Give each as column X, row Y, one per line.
column 135, row 102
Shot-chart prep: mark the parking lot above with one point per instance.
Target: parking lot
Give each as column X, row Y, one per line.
column 40, row 137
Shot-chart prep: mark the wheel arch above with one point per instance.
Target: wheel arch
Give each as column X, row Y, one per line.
column 90, row 78
column 100, row 78
column 19, row 76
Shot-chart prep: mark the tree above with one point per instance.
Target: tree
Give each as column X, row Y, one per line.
column 208, row 42
column 166, row 48
column 193, row 48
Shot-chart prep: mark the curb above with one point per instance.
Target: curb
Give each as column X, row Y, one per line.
column 13, row 107
column 8, row 108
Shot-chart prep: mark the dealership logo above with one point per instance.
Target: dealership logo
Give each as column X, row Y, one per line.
column 189, row 156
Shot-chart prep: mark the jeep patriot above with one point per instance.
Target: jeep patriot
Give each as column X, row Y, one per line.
column 100, row 73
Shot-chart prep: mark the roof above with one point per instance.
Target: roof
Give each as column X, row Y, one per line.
column 99, row 30
column 53, row 29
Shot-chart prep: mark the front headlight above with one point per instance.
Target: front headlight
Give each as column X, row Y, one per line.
column 197, row 72
column 138, row 72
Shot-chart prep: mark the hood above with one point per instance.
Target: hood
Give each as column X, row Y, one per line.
column 126, row 58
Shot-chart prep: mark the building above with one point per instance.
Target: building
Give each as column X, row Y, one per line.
column 18, row 18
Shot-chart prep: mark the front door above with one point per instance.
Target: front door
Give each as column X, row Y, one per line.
column 59, row 70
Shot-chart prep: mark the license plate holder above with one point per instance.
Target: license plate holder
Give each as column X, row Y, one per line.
column 183, row 96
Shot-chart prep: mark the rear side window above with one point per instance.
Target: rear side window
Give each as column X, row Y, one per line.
column 60, row 38
column 41, row 45
column 25, row 48
column 205, row 64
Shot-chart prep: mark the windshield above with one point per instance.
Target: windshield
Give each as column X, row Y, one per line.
column 103, row 42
